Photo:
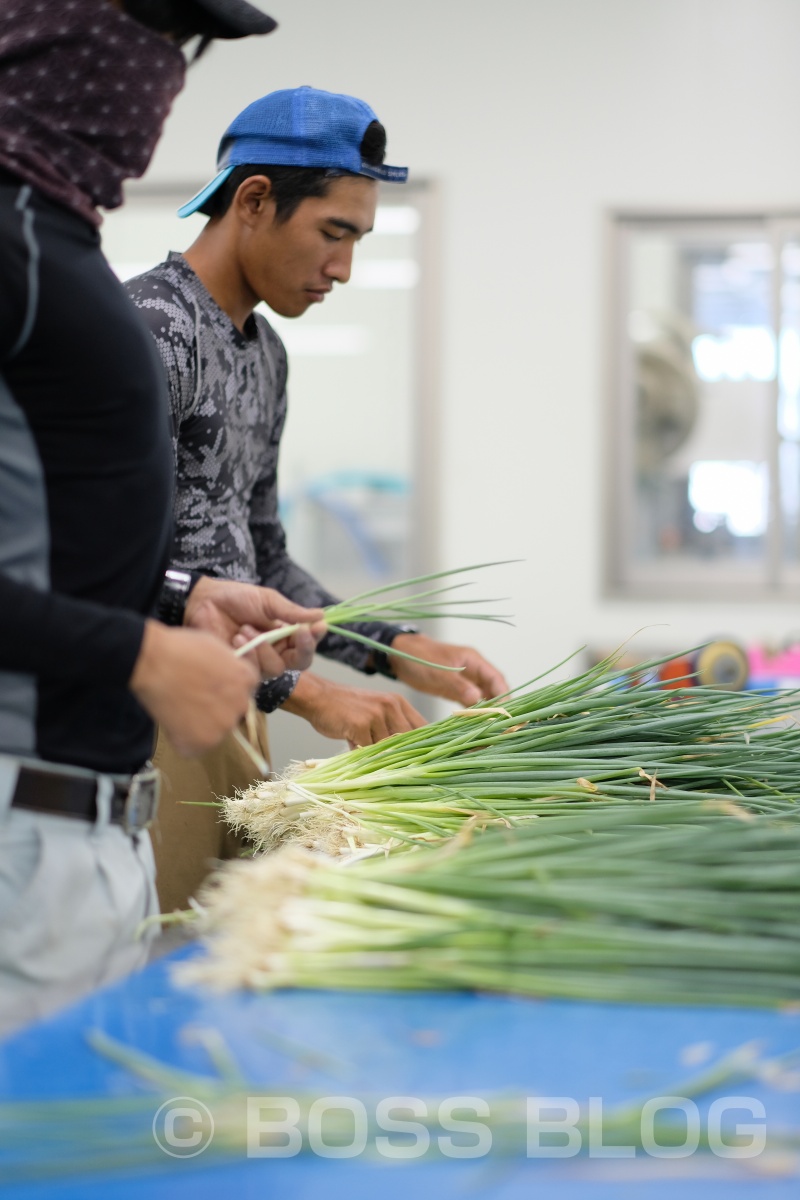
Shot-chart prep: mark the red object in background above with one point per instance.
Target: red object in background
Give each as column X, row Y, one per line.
column 677, row 673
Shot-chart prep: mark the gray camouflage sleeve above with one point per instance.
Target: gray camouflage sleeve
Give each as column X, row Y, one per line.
column 174, row 334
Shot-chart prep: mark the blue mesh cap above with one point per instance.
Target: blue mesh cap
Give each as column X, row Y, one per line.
column 298, row 127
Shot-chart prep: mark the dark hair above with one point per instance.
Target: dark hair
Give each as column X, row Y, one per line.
column 292, row 185
column 181, row 20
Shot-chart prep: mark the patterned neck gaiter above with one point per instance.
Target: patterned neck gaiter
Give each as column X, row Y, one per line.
column 84, row 93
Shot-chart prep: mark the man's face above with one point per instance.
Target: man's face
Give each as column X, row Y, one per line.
column 295, row 264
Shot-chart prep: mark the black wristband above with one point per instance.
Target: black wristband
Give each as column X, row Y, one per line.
column 380, row 661
column 175, row 591
column 275, row 692
column 381, row 664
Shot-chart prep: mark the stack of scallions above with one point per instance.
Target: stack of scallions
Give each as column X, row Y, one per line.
column 597, row 837
column 691, row 902
column 607, row 735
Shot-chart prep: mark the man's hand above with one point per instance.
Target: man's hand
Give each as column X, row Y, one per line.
column 192, row 685
column 357, row 715
column 478, row 681
column 236, row 612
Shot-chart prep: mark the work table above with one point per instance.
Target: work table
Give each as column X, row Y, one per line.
column 376, row 1045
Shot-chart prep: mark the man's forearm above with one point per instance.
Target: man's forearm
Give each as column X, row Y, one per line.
column 61, row 637
column 303, row 698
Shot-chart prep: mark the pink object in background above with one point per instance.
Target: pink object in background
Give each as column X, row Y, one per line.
column 781, row 668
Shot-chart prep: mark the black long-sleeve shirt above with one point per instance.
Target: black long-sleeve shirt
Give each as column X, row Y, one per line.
column 85, row 465
column 85, row 492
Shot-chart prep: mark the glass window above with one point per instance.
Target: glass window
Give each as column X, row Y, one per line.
column 705, row 463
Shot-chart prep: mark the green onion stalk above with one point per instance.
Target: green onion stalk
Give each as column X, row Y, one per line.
column 114, row 1135
column 386, row 603
column 678, row 903
column 381, row 604
column 605, row 735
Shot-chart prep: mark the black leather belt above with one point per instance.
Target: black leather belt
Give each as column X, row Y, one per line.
column 134, row 802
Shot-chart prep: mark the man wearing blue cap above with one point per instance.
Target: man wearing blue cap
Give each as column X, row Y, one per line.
column 297, row 188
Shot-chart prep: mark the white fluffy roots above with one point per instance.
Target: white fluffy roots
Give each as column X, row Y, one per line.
column 273, row 812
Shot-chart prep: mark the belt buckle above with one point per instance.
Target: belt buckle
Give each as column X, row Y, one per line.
column 141, row 803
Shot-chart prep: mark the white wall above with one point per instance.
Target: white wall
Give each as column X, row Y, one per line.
column 537, row 116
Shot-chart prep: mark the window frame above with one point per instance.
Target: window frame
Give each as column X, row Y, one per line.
column 623, row 577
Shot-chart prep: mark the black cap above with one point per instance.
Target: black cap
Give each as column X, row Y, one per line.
column 240, row 18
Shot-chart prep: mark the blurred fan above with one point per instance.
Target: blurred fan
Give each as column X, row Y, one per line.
column 667, row 385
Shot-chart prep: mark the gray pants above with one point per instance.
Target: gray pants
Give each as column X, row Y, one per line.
column 72, row 895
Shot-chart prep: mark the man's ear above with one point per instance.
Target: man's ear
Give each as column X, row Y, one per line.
column 254, row 197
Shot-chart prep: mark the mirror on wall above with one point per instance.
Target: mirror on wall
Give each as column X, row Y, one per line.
column 705, row 446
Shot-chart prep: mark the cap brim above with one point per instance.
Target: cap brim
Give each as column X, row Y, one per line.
column 239, row 17
column 385, row 173
column 197, row 202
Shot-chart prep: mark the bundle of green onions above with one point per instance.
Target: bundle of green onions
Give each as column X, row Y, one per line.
column 652, row 903
column 605, row 735
column 383, row 604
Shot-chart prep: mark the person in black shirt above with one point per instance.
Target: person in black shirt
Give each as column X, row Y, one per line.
column 85, row 495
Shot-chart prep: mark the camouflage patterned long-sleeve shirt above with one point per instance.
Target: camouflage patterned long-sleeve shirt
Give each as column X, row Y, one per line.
column 228, row 406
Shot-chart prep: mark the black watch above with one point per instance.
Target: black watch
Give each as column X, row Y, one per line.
column 175, row 591
column 382, row 662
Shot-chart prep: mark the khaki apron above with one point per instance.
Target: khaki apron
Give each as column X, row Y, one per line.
column 188, row 838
